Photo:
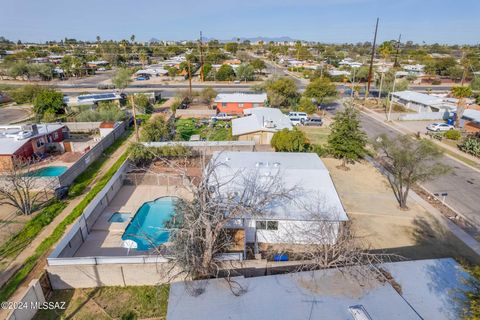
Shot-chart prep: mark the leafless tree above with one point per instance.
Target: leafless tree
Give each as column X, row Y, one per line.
column 21, row 188
column 324, row 241
column 408, row 161
column 206, row 225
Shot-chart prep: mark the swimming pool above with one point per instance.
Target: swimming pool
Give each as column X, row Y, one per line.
column 147, row 227
column 52, row 171
column 119, row 217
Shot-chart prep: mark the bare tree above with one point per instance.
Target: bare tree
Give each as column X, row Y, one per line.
column 409, row 161
column 21, row 189
column 206, row 225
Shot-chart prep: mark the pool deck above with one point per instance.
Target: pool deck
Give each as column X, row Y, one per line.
column 105, row 239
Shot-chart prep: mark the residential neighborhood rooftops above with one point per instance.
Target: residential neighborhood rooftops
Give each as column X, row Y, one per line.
column 13, row 138
column 472, row 115
column 426, row 100
column 304, row 172
column 260, row 119
column 429, row 290
column 86, row 99
column 241, row 97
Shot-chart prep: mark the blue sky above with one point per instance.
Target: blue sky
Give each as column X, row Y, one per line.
column 443, row 21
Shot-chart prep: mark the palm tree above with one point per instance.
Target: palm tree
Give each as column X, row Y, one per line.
column 132, row 38
column 460, row 92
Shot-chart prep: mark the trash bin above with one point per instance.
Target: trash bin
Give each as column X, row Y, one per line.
column 450, row 121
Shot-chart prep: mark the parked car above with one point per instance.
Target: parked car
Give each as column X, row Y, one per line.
column 313, row 122
column 142, row 78
column 296, row 121
column 439, row 127
column 302, row 115
column 327, row 107
column 221, row 116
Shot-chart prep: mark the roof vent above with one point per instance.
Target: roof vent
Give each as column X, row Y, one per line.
column 259, row 164
column 228, row 159
column 359, row 313
column 276, row 164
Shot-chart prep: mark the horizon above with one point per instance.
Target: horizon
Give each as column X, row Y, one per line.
column 323, row 21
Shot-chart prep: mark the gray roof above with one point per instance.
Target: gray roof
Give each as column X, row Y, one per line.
column 260, row 119
column 422, row 98
column 428, row 290
column 304, row 172
column 241, row 97
column 473, row 115
column 11, row 138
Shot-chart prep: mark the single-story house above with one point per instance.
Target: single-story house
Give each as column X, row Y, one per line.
column 235, row 103
column 260, row 124
column 315, row 201
column 471, row 120
column 152, row 72
column 427, row 289
column 22, row 142
column 92, row 99
column 421, row 102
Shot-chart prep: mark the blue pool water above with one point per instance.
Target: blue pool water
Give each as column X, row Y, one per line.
column 119, row 217
column 52, row 171
column 147, row 226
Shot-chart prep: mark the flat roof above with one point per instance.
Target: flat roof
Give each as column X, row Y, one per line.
column 420, row 98
column 10, row 141
column 428, row 290
column 260, row 119
column 304, row 172
column 471, row 114
column 241, row 97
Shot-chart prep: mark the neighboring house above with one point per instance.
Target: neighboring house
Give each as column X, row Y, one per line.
column 24, row 143
column 425, row 289
column 471, row 121
column 337, row 73
column 152, row 72
column 315, row 202
column 421, row 102
column 414, row 69
column 260, row 124
column 93, row 99
column 235, row 103
column 97, row 63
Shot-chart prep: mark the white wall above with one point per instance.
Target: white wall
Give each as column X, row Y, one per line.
column 293, row 232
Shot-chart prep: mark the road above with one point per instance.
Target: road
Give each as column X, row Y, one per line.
column 462, row 184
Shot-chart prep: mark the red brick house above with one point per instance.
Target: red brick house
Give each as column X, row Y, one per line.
column 16, row 142
column 235, row 103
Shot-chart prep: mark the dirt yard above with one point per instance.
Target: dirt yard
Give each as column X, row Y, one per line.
column 371, row 205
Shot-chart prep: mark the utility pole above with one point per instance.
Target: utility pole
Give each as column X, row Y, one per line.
column 464, row 74
column 134, row 117
column 381, row 85
column 396, row 64
column 202, row 76
column 189, row 79
column 390, row 96
column 370, row 71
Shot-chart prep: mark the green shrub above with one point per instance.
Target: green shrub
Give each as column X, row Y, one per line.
column 141, row 155
column 290, row 141
column 319, row 150
column 471, row 145
column 453, row 134
column 25, row 94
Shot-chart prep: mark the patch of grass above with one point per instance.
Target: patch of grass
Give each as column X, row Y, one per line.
column 9, row 288
column 143, row 301
column 316, row 135
column 87, row 176
column 185, row 128
column 32, row 228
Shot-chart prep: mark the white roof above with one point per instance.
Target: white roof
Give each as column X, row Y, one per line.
column 11, row 136
column 241, row 97
column 303, row 171
column 419, row 98
column 260, row 119
column 473, row 115
column 428, row 288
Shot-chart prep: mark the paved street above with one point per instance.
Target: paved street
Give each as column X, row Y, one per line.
column 462, row 184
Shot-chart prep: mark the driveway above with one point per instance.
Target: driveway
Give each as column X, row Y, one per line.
column 9, row 115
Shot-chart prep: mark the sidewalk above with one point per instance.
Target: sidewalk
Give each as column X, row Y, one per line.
column 404, row 130
column 18, row 262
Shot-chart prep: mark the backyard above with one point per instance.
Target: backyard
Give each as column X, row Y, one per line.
column 317, row 135
column 109, row 303
column 212, row 131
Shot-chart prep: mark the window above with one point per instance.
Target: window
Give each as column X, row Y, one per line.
column 267, row 225
column 240, row 105
column 55, row 135
column 224, row 104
